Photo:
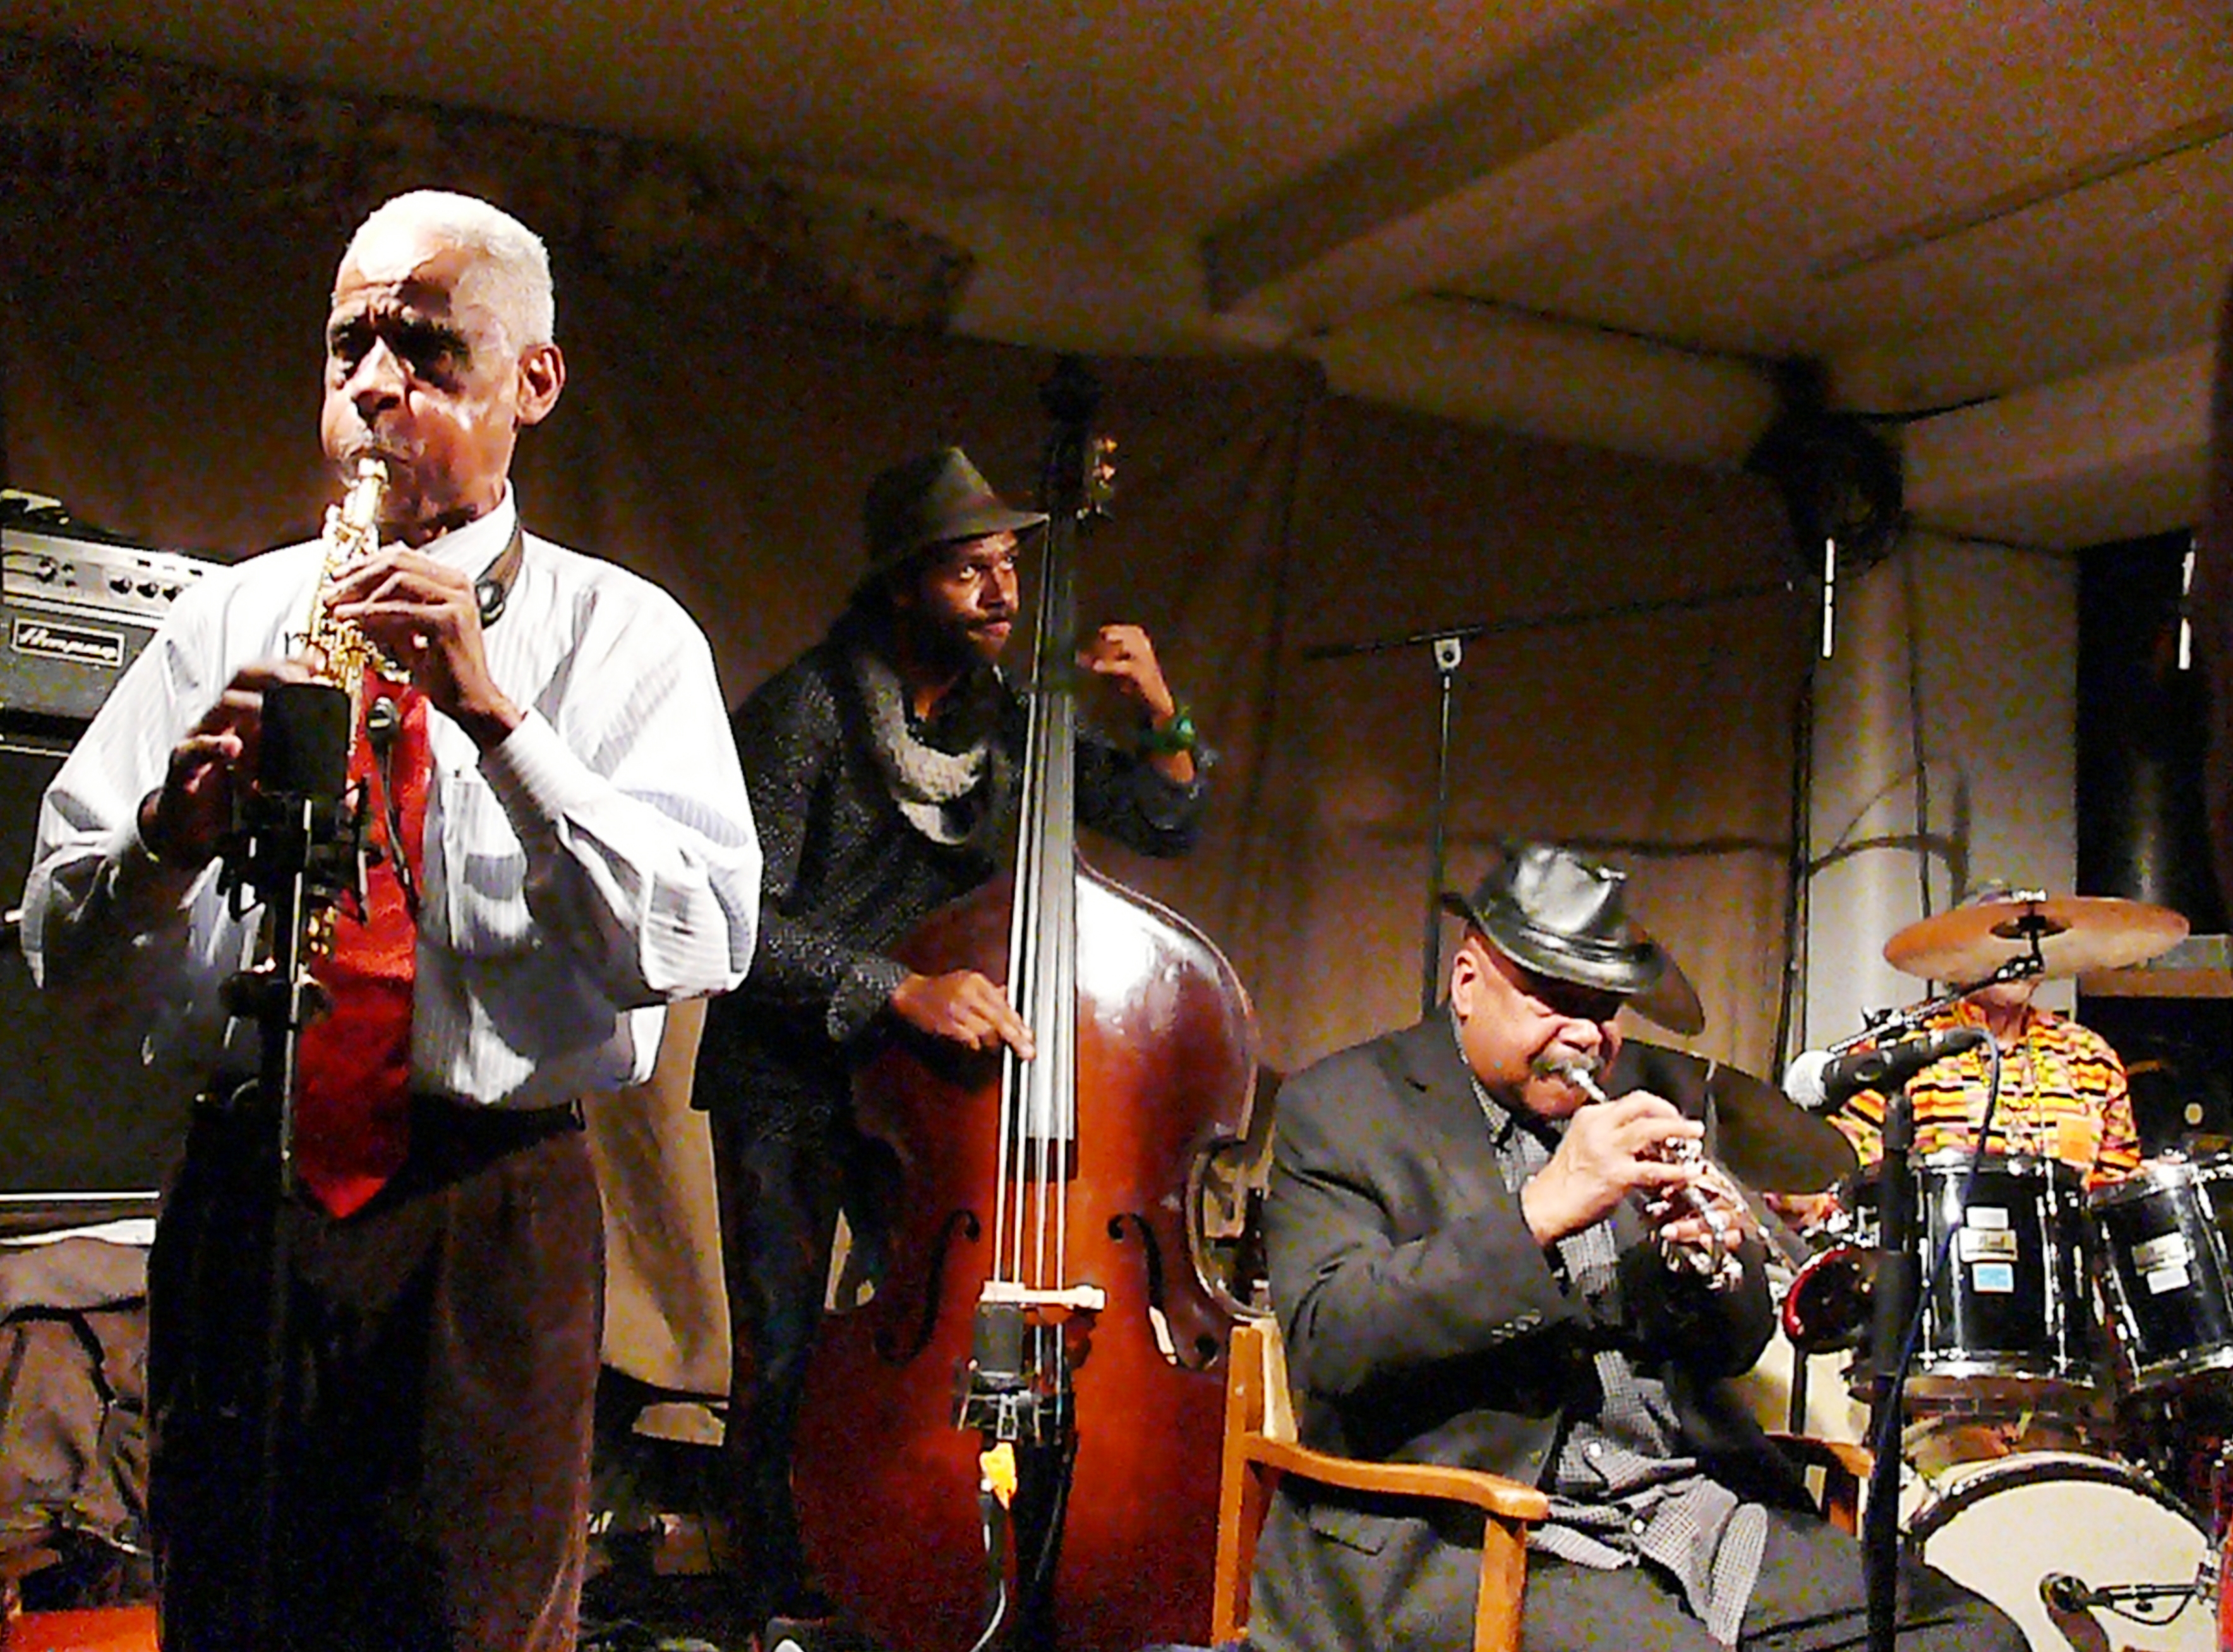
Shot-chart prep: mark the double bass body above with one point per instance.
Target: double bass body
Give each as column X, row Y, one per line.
column 887, row 1485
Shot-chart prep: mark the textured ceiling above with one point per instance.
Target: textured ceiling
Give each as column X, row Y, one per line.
column 2007, row 221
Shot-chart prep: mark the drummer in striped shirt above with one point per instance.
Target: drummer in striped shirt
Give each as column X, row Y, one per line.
column 2063, row 1094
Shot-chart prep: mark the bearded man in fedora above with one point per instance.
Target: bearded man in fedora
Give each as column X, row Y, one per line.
column 884, row 768
column 1476, row 1264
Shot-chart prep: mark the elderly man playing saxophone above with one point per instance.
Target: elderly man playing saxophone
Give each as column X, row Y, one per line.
column 565, row 845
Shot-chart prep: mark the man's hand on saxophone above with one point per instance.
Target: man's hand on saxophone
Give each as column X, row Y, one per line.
column 427, row 618
column 183, row 820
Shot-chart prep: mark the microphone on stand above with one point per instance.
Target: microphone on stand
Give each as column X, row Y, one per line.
column 1818, row 1081
column 2063, row 1593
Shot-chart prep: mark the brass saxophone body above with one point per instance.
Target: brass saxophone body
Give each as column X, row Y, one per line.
column 1715, row 1259
column 351, row 532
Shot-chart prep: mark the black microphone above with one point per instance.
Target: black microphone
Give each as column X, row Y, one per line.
column 2063, row 1593
column 1818, row 1081
column 305, row 744
column 295, row 823
column 382, row 720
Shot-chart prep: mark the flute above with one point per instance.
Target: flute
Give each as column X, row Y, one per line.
column 1714, row 1260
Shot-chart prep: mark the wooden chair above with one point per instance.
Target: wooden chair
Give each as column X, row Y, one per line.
column 1261, row 1446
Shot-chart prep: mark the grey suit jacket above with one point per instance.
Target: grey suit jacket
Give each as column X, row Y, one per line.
column 1424, row 1324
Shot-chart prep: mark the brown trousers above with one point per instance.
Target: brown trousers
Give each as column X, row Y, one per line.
column 433, row 1440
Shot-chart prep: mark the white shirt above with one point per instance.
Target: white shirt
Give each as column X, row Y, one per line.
column 598, row 863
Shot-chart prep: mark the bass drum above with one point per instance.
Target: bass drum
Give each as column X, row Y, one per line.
column 2005, row 1526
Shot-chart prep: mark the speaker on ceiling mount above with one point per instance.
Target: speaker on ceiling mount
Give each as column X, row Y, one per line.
column 1839, row 477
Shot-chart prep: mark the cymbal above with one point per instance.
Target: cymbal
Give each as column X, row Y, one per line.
column 1762, row 1136
column 2077, row 934
column 1671, row 1002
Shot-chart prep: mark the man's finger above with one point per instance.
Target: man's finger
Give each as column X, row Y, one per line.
column 199, row 750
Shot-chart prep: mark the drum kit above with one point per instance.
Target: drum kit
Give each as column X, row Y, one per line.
column 2068, row 1408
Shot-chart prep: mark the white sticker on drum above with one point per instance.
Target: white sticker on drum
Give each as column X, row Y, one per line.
column 2168, row 1251
column 1988, row 1245
column 1993, row 1278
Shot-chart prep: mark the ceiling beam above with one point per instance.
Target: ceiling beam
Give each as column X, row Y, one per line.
column 1570, row 82
column 2108, row 456
column 2035, row 335
column 1542, row 377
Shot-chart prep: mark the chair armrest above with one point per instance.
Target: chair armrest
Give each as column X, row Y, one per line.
column 1812, row 1451
column 1505, row 1500
column 1846, row 1468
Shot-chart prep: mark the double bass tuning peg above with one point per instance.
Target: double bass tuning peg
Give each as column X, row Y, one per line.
column 1100, row 475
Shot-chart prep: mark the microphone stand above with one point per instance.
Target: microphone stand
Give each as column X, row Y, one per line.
column 297, row 846
column 1894, row 1298
column 1448, row 643
column 1916, row 1016
column 1897, row 1301
column 1449, row 655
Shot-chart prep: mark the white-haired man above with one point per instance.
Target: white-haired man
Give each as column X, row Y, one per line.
column 575, row 850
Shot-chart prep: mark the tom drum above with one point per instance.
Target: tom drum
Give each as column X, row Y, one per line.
column 2164, row 1263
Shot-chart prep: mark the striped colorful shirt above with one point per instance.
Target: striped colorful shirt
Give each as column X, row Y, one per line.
column 2062, row 1096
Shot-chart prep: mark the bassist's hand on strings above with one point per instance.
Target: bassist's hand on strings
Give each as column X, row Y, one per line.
column 1122, row 655
column 962, row 1007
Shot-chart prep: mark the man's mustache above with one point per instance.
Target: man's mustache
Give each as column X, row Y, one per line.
column 366, row 444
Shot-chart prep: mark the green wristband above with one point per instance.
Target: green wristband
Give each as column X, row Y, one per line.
column 1177, row 736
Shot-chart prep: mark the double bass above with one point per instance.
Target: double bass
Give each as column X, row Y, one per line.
column 1016, row 1440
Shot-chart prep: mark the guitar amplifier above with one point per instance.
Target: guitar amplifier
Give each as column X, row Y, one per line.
column 73, row 612
column 86, row 1129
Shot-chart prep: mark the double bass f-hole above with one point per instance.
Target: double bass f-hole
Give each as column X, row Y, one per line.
column 889, row 1346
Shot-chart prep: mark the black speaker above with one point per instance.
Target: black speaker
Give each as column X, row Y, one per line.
column 80, row 1115
column 2143, row 734
column 2143, row 728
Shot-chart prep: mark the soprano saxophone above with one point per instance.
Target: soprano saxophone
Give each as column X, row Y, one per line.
column 352, row 532
column 1715, row 1259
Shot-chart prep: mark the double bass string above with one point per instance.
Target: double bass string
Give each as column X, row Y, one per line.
column 1038, row 1118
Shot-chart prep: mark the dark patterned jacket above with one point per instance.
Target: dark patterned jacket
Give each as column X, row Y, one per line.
column 847, row 876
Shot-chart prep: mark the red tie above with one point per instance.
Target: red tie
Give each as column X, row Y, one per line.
column 353, row 1063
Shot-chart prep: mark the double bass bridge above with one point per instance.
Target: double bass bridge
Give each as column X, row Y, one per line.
column 1045, row 1304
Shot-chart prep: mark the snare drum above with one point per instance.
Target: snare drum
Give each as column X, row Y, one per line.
column 2163, row 1262
column 2009, row 1316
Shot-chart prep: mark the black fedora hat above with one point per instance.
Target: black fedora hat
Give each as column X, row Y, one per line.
column 929, row 500
column 1555, row 911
